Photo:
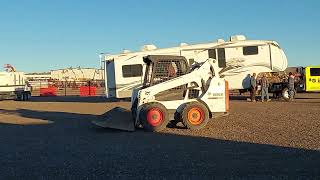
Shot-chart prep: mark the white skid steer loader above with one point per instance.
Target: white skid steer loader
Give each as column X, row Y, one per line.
column 173, row 91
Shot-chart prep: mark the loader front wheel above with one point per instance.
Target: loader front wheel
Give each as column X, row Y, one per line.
column 195, row 116
column 154, row 117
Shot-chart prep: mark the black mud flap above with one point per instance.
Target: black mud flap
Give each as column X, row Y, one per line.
column 116, row 118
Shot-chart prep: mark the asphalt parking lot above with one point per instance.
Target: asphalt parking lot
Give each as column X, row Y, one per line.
column 53, row 138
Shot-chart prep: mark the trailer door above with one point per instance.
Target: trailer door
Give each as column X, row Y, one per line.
column 111, row 82
column 221, row 57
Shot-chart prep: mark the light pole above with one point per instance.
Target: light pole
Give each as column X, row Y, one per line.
column 65, row 77
column 104, row 68
column 101, row 55
column 79, row 68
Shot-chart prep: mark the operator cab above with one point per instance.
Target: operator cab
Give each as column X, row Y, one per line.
column 160, row 68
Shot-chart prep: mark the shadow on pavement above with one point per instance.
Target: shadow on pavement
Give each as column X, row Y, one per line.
column 90, row 99
column 306, row 98
column 97, row 99
column 239, row 97
column 72, row 148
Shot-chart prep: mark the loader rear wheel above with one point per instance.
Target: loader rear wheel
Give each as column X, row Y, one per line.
column 154, row 117
column 195, row 116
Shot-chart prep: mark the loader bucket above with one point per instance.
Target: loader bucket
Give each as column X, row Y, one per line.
column 116, row 118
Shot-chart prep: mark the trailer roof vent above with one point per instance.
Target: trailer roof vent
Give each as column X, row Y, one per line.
column 183, row 44
column 148, row 47
column 237, row 38
column 220, row 40
column 126, row 51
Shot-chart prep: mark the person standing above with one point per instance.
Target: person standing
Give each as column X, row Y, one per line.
column 291, row 86
column 264, row 88
column 253, row 86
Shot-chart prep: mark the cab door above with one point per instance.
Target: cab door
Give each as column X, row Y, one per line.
column 313, row 78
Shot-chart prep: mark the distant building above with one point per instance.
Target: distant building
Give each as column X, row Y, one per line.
column 74, row 75
column 69, row 74
column 38, row 76
column 77, row 74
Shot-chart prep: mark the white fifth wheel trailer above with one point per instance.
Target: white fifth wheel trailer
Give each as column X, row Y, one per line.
column 238, row 58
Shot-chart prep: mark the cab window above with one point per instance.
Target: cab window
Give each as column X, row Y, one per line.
column 314, row 71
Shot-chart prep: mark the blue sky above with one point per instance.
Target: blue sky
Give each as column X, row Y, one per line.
column 40, row 35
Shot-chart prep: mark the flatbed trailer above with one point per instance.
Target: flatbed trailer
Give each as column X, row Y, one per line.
column 13, row 86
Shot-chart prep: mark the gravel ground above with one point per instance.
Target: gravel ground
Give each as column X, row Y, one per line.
column 53, row 138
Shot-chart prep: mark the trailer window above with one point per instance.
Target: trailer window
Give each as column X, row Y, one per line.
column 250, row 50
column 212, row 53
column 314, row 71
column 132, row 70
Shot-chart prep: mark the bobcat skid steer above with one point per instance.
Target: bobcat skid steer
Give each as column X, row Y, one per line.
column 172, row 91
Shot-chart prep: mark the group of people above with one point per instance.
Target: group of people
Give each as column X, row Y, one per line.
column 265, row 85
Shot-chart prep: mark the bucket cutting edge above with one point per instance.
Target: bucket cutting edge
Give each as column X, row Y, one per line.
column 116, row 118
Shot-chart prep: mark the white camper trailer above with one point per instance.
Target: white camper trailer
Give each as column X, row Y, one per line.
column 238, row 58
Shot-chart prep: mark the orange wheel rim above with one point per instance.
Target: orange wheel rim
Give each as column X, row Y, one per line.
column 195, row 116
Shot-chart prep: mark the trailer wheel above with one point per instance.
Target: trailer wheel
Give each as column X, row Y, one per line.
column 195, row 116
column 28, row 96
column 18, row 97
column 23, row 96
column 154, row 117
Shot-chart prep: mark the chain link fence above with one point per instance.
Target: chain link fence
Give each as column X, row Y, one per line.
column 68, row 88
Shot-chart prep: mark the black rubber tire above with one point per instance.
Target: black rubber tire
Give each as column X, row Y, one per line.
column 24, row 96
column 184, row 115
column 143, row 117
column 28, row 96
column 134, row 112
column 177, row 117
column 18, row 97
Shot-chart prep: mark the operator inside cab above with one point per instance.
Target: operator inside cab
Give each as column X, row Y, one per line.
column 172, row 72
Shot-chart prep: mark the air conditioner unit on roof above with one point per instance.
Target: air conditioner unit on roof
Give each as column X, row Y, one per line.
column 148, row 47
column 220, row 41
column 237, row 38
column 126, row 51
column 183, row 44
